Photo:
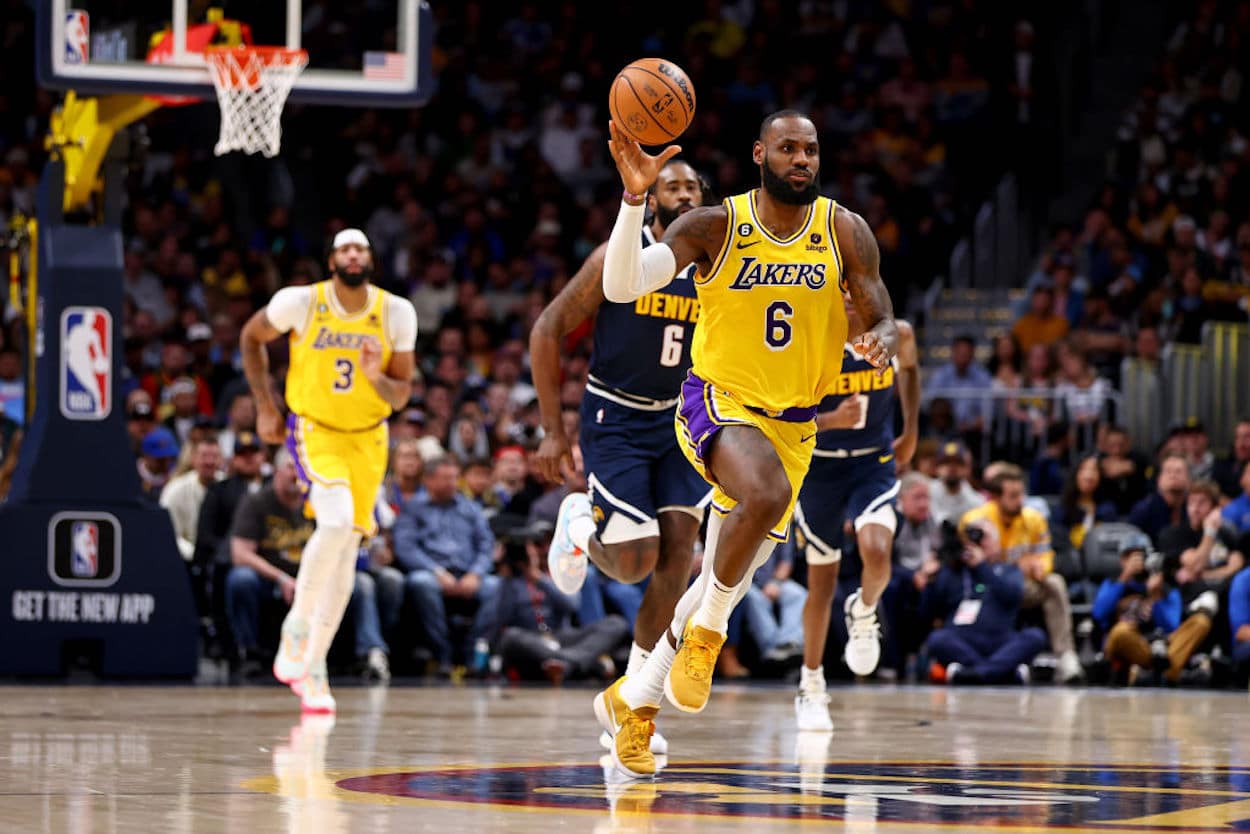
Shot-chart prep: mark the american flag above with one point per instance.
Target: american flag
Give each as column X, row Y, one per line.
column 384, row 66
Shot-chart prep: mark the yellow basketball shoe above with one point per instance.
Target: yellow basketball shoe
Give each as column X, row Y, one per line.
column 689, row 682
column 631, row 731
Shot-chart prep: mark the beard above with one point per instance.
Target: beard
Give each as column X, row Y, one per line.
column 665, row 215
column 354, row 280
column 782, row 191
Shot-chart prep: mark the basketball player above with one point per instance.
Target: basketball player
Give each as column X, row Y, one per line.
column 646, row 501
column 852, row 481
column 767, row 350
column 351, row 365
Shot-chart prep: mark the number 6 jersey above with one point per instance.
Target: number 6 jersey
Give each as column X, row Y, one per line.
column 642, row 348
column 324, row 382
column 773, row 320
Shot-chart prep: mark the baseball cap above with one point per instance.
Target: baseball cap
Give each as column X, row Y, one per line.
column 348, row 236
column 1135, row 541
column 246, row 440
column 159, row 443
column 140, row 411
column 415, row 416
column 182, row 385
column 952, row 450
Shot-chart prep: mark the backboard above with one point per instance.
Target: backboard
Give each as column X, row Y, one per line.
column 361, row 52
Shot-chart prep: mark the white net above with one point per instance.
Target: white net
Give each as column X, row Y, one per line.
column 252, row 85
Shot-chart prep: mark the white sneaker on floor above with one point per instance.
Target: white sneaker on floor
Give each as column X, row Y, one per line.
column 659, row 744
column 377, row 666
column 811, row 712
column 1023, row 674
column 565, row 560
column 291, row 664
column 1069, row 669
column 863, row 644
column 314, row 691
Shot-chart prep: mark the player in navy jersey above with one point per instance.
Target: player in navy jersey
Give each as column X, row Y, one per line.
column 645, row 502
column 851, row 486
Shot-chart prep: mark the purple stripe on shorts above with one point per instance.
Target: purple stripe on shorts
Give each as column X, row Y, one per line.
column 292, row 446
column 694, row 414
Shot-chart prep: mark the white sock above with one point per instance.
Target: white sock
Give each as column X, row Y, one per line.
column 580, row 531
column 694, row 594
column 812, row 680
column 645, row 688
column 638, row 656
column 717, row 605
column 858, row 609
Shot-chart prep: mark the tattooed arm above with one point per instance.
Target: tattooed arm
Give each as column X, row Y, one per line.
column 861, row 264
column 577, row 302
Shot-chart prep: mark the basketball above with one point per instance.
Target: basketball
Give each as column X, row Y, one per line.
column 652, row 100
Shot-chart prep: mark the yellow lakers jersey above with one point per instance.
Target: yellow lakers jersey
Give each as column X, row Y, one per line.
column 324, row 382
column 773, row 323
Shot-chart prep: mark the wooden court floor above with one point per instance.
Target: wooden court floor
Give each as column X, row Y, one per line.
column 81, row 759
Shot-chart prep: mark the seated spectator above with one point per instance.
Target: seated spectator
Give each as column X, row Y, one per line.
column 1014, row 533
column 1123, row 471
column 1228, row 470
column 537, row 639
column 477, row 485
column 1237, row 511
column 1040, row 325
column 157, row 455
column 774, row 607
column 1046, row 474
column 1141, row 617
column 404, row 482
column 1195, row 445
column 914, row 563
column 1083, row 394
column 1079, row 505
column 1204, row 548
column 950, row 494
column 1239, row 623
column 977, row 601
column 1166, row 505
column 140, row 418
column 184, row 495
column 443, row 543
column 971, row 411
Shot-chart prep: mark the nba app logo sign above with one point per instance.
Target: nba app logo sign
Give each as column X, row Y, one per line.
column 84, row 549
column 77, row 37
column 86, row 363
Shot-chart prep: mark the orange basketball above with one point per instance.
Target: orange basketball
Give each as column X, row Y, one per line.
column 652, row 100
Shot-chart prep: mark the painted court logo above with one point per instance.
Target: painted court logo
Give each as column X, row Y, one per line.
column 907, row 795
column 86, row 363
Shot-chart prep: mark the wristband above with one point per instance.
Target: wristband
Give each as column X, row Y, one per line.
column 629, row 197
column 1210, row 532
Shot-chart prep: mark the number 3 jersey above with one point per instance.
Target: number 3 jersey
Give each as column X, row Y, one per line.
column 642, row 348
column 773, row 321
column 324, row 382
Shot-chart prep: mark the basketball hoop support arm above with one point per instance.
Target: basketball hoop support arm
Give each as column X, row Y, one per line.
column 81, row 132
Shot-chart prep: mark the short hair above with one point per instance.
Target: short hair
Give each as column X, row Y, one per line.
column 409, row 444
column 788, row 113
column 1006, row 472
column 965, row 338
column 477, row 463
column 912, row 479
column 1207, row 487
column 440, row 461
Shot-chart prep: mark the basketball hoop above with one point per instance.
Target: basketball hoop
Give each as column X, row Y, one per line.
column 252, row 84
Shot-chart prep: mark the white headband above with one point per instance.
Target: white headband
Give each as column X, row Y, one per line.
column 348, row 236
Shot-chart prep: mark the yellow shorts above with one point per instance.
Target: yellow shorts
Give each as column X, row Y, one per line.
column 703, row 410
column 329, row 457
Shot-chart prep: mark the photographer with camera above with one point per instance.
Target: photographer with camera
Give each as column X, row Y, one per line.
column 538, row 640
column 978, row 601
column 1141, row 616
column 1019, row 535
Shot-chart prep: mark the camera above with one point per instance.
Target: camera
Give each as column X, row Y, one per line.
column 975, row 535
column 950, row 549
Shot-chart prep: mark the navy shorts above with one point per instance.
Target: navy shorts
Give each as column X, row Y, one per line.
column 837, row 490
column 635, row 469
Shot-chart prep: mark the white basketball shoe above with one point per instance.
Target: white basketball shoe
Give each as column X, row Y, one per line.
column 863, row 645
column 565, row 560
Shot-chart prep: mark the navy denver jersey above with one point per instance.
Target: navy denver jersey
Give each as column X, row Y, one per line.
column 860, row 379
column 643, row 347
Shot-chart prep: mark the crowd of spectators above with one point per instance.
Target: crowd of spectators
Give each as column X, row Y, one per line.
column 482, row 204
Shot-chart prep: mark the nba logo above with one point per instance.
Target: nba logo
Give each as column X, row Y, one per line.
column 77, row 37
column 86, row 363
column 84, row 549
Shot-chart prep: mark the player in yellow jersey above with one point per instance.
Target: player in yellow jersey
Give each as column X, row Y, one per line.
column 351, row 365
column 767, row 349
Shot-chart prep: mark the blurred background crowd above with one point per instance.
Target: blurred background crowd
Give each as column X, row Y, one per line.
column 481, row 205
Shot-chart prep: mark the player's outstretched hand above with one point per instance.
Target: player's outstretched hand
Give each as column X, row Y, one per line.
column 638, row 168
column 269, row 426
column 554, row 457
